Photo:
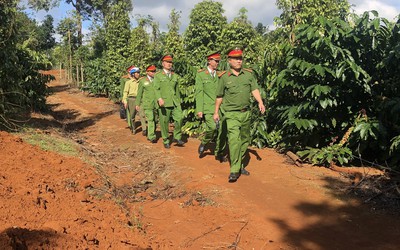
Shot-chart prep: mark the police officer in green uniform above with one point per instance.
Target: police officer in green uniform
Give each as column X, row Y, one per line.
column 234, row 91
column 146, row 101
column 205, row 89
column 129, row 96
column 169, row 100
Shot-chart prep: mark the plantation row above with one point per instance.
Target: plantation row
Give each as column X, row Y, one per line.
column 330, row 79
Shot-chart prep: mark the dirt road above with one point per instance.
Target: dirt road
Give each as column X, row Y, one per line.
column 131, row 194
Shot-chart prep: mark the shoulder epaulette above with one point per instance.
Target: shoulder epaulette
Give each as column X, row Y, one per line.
column 221, row 73
column 158, row 72
column 201, row 70
column 142, row 78
column 248, row 70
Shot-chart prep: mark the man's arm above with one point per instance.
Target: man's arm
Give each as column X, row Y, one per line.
column 139, row 95
column 157, row 91
column 257, row 96
column 199, row 96
column 218, row 102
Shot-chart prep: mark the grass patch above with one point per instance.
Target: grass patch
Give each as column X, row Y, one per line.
column 50, row 142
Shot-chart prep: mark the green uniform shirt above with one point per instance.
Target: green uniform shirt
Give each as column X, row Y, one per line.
column 206, row 87
column 236, row 90
column 167, row 88
column 146, row 97
column 130, row 89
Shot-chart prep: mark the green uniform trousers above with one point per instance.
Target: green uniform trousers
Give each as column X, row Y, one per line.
column 238, row 126
column 165, row 114
column 151, row 123
column 211, row 133
column 210, row 130
column 220, row 142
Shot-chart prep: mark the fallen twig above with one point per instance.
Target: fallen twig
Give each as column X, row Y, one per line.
column 236, row 243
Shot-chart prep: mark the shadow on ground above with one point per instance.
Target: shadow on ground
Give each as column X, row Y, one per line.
column 353, row 225
column 20, row 238
column 67, row 120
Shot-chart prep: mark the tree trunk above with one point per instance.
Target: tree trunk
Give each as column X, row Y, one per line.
column 70, row 55
column 77, row 75
column 60, row 71
column 82, row 79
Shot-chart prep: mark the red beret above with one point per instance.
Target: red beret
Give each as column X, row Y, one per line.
column 151, row 68
column 167, row 58
column 130, row 68
column 236, row 52
column 215, row 56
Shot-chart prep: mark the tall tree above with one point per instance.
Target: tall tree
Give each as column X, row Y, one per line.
column 240, row 32
column 46, row 40
column 139, row 45
column 117, row 26
column 203, row 34
column 296, row 12
column 173, row 40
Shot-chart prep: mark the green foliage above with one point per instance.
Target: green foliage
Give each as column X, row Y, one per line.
column 117, row 38
column 96, row 77
column 324, row 156
column 139, row 46
column 46, row 40
column 240, row 32
column 173, row 40
column 203, row 35
column 22, row 87
column 297, row 12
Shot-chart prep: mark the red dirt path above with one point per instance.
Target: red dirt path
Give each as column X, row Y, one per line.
column 48, row 201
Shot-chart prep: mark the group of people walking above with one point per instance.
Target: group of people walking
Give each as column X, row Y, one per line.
column 222, row 102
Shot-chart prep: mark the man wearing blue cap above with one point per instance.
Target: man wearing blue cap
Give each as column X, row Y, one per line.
column 129, row 96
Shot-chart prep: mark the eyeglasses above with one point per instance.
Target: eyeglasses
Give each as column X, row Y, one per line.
column 217, row 61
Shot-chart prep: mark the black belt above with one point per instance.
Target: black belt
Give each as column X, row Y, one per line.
column 240, row 110
column 131, row 96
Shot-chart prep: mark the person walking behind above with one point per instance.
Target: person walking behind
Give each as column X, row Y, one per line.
column 122, row 81
column 146, row 102
column 205, row 89
column 234, row 91
column 166, row 85
column 129, row 97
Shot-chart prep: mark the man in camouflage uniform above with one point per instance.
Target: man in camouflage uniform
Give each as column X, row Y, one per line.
column 146, row 101
column 129, row 96
column 234, row 91
column 205, row 89
column 166, row 85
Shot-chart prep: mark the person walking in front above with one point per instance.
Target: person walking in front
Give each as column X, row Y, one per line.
column 146, row 102
column 205, row 89
column 234, row 91
column 129, row 96
column 166, row 85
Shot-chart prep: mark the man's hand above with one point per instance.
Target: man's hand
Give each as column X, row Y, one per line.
column 200, row 114
column 216, row 117
column 137, row 108
column 261, row 107
column 125, row 104
column 161, row 102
